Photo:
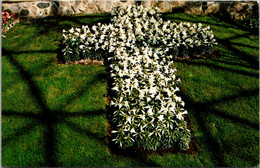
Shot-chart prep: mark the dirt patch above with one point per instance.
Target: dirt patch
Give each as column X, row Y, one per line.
column 85, row 62
column 204, row 56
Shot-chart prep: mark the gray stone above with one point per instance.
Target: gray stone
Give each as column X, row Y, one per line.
column 24, row 12
column 16, row 8
column 43, row 5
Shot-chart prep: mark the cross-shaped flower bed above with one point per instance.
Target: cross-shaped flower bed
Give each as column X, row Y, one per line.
column 140, row 48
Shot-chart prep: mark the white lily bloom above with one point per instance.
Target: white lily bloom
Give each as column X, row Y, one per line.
column 161, row 117
column 150, row 112
column 140, row 68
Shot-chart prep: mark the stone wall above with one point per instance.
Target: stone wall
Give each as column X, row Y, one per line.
column 28, row 9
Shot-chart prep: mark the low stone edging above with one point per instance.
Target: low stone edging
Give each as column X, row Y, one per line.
column 29, row 9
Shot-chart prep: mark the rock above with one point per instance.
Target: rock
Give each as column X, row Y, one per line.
column 213, row 8
column 60, row 10
column 77, row 3
column 146, row 3
column 68, row 12
column 238, row 11
column 193, row 7
column 174, row 3
column 64, row 3
column 16, row 8
column 43, row 5
column 54, row 9
column 40, row 14
column 24, row 12
column 167, row 6
column 153, row 3
column 82, row 10
column 74, row 9
column 223, row 6
column 26, row 4
column 34, row 10
column 45, row 12
column 101, row 6
column 108, row 4
column 91, row 5
column 160, row 5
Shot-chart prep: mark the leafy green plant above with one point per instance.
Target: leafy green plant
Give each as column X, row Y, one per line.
column 142, row 45
column 180, row 39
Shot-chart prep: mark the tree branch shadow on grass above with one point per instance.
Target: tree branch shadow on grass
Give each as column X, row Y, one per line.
column 231, row 24
column 56, row 22
column 254, row 63
column 46, row 117
column 202, row 109
column 50, row 118
column 211, row 65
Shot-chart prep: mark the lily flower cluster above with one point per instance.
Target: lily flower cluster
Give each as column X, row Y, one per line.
column 140, row 48
column 148, row 111
column 144, row 26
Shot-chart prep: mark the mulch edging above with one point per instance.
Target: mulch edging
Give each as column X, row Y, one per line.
column 87, row 61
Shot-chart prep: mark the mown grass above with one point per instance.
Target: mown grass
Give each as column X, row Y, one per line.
column 54, row 115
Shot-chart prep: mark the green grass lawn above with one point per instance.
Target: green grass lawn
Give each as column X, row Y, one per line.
column 54, row 115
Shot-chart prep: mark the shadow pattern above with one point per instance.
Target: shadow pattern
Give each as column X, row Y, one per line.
column 49, row 118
